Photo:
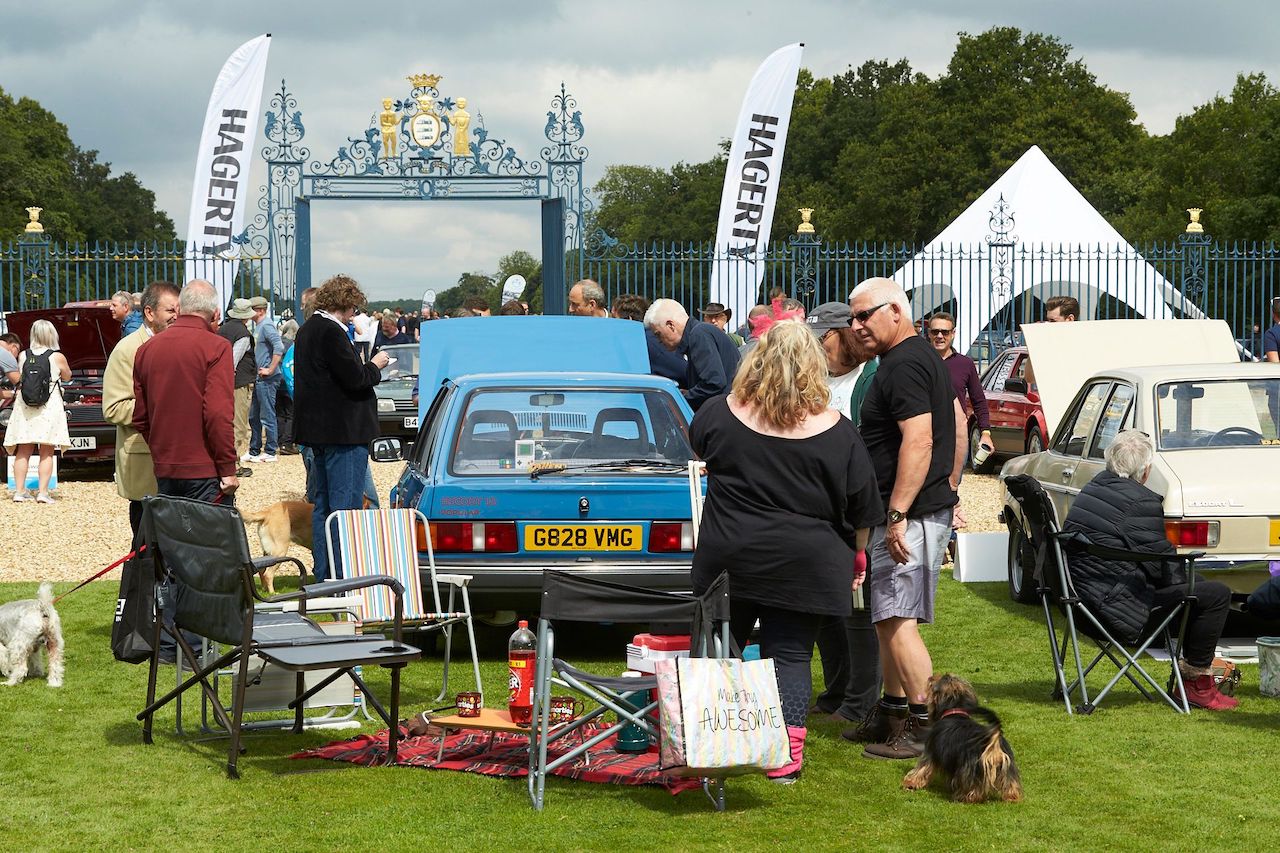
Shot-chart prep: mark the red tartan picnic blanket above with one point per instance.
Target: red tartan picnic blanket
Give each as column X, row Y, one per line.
column 502, row 754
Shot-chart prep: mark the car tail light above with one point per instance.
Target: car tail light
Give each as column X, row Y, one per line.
column 471, row 537
column 1192, row 534
column 666, row 537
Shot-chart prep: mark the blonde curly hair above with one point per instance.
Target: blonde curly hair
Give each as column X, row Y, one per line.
column 785, row 376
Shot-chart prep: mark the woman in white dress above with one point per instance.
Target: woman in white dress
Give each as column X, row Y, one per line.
column 43, row 427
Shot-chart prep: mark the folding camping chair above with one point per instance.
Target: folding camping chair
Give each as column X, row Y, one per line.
column 1049, row 548
column 202, row 548
column 384, row 542
column 568, row 597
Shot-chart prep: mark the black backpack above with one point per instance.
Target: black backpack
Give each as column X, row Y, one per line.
column 36, row 373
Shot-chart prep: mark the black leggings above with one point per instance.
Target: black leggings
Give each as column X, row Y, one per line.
column 1204, row 625
column 787, row 636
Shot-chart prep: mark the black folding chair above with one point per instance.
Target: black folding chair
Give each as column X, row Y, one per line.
column 203, row 551
column 1050, row 549
column 573, row 598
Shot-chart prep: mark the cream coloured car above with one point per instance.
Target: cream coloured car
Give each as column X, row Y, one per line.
column 1216, row 431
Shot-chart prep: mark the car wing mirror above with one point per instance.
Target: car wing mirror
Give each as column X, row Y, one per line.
column 387, row 450
column 1015, row 385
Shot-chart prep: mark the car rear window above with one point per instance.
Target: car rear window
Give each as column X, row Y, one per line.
column 505, row 430
column 1218, row 413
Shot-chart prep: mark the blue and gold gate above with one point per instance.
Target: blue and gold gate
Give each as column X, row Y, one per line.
column 423, row 147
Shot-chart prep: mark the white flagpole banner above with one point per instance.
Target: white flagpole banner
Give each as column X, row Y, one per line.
column 219, row 194
column 751, row 181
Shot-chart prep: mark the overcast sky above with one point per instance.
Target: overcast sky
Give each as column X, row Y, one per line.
column 657, row 82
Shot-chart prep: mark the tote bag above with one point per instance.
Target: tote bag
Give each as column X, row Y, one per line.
column 720, row 717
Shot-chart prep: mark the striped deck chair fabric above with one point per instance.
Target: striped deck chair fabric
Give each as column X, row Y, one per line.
column 384, row 542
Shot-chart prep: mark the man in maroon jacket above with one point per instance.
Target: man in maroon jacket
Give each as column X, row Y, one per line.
column 187, row 374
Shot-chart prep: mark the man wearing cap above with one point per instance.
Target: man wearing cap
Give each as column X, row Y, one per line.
column 268, row 350
column 235, row 330
column 719, row 316
column 713, row 359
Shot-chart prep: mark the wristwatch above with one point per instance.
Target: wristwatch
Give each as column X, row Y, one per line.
column 896, row 516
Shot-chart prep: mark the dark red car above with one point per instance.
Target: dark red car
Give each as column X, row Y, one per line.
column 1017, row 419
column 86, row 336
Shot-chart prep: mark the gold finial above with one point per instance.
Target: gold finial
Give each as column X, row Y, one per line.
column 1194, row 226
column 424, row 81
column 806, row 227
column 34, row 226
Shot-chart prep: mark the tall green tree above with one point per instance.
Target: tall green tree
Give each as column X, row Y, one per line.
column 40, row 166
column 524, row 264
column 469, row 284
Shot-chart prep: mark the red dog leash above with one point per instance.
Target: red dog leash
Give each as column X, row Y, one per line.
column 126, row 557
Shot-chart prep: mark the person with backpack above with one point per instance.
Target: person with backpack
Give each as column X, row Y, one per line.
column 39, row 419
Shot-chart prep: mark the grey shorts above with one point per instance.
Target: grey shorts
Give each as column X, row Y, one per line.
column 907, row 590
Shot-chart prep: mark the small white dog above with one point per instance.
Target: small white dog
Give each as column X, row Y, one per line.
column 25, row 627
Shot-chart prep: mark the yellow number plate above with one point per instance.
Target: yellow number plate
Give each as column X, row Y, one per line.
column 583, row 537
column 1275, row 532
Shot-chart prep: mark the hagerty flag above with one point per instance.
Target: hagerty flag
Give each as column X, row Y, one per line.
column 751, row 181
column 220, row 193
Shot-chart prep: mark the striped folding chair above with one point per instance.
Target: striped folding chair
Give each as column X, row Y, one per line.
column 697, row 470
column 384, row 542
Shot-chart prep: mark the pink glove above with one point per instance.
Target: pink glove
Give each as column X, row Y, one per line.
column 860, row 563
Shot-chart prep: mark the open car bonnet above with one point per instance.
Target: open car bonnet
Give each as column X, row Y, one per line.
column 456, row 347
column 86, row 334
column 1064, row 355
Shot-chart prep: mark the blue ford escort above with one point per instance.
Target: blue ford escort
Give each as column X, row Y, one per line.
column 545, row 444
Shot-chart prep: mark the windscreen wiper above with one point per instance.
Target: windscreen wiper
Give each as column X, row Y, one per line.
column 537, row 469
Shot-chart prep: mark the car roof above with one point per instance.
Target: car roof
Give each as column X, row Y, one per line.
column 1171, row 372
column 541, row 378
column 468, row 345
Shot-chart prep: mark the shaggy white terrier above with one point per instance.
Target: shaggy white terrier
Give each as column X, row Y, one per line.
column 26, row 626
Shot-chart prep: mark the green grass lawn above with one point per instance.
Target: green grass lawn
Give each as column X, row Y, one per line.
column 75, row 774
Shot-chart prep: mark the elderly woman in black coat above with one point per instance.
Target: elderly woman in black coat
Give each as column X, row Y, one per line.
column 1117, row 510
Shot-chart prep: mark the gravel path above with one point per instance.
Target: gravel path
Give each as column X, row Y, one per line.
column 88, row 525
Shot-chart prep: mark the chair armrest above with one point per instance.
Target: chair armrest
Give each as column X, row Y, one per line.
column 1076, row 539
column 260, row 563
column 316, row 590
column 456, row 580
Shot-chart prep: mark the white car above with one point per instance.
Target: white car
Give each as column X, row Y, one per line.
column 1216, row 431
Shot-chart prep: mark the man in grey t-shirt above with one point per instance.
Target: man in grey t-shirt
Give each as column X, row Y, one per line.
column 10, row 346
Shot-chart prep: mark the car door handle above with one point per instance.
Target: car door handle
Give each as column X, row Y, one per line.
column 1067, row 474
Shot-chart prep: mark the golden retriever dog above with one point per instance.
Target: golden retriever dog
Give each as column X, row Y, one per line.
column 278, row 525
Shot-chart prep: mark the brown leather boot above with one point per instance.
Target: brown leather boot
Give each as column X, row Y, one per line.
column 905, row 740
column 874, row 727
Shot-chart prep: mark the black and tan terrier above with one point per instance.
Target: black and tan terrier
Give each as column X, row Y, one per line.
column 966, row 746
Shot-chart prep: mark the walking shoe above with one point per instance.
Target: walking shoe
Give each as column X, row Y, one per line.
column 874, row 727
column 289, row 450
column 44, row 498
column 244, row 472
column 251, row 457
column 21, row 496
column 268, row 457
column 906, row 739
column 1203, row 693
column 789, row 779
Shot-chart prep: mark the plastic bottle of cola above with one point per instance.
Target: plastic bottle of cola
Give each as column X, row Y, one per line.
column 522, row 655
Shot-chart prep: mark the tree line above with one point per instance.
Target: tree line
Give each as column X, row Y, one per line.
column 884, row 153
column 41, row 167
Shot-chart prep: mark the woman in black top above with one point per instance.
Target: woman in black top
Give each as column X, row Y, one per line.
column 790, row 497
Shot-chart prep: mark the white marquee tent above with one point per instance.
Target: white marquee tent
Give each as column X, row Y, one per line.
column 1032, row 231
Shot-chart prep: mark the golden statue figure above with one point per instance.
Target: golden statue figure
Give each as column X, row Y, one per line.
column 461, row 121
column 389, row 122
column 34, row 226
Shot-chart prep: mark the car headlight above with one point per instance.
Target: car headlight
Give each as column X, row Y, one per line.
column 385, row 405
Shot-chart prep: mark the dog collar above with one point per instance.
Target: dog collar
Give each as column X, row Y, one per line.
column 955, row 712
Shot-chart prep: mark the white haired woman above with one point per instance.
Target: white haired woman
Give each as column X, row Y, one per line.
column 1116, row 509
column 42, row 426
column 791, row 496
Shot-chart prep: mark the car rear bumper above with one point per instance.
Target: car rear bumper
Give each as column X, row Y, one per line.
column 519, row 586
column 1242, row 575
